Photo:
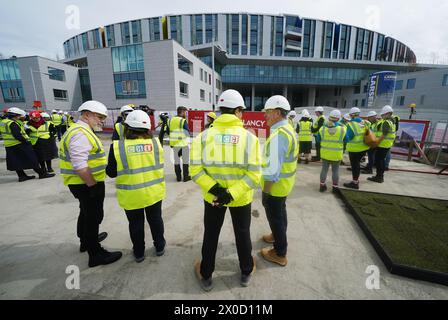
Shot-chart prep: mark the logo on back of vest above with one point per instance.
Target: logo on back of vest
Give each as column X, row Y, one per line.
column 227, row 139
column 140, row 148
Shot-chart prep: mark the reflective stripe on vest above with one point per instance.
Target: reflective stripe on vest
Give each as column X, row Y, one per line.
column 332, row 145
column 305, row 131
column 357, row 143
column 178, row 135
column 96, row 161
column 120, row 130
column 285, row 184
column 43, row 132
column 140, row 180
column 5, row 129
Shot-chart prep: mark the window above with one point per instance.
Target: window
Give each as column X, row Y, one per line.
column 176, row 28
column 110, row 36
column 399, row 85
column 56, row 74
column 196, row 29
column 130, row 85
column 154, row 29
column 60, row 94
column 422, row 99
column 184, row 64
column 218, row 84
column 355, row 103
column 400, row 100
column 235, row 33
column 127, row 58
column 136, row 31
column 411, row 84
column 125, row 33
column 205, row 76
column 85, row 41
column 210, row 98
column 202, row 74
column 202, row 94
column 96, row 39
column 210, row 79
column 183, row 88
column 363, row 102
column 357, row 90
column 445, row 80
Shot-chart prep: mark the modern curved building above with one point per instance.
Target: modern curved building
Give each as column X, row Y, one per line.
column 312, row 62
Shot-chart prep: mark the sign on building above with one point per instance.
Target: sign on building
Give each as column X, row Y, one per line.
column 380, row 89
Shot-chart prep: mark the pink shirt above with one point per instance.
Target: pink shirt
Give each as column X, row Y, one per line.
column 79, row 148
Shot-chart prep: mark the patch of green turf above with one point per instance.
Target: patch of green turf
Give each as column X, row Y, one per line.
column 412, row 231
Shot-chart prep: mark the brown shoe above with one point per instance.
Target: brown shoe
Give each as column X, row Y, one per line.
column 268, row 238
column 270, row 255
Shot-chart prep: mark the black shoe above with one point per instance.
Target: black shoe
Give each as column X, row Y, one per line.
column 160, row 253
column 186, row 170
column 50, row 171
column 335, row 190
column 306, row 161
column 245, row 280
column 101, row 237
column 376, row 179
column 139, row 259
column 178, row 172
column 352, row 185
column 323, row 188
column 104, row 257
column 206, row 284
column 46, row 175
column 25, row 178
column 186, row 179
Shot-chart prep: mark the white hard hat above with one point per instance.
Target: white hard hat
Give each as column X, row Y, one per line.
column 292, row 113
column 347, row 117
column 54, row 111
column 336, row 114
column 66, row 113
column 138, row 119
column 126, row 108
column 386, row 109
column 277, row 102
column 305, row 113
column 94, row 106
column 371, row 114
column 17, row 111
column 45, row 115
column 319, row 109
column 231, row 99
column 354, row 110
column 61, row 112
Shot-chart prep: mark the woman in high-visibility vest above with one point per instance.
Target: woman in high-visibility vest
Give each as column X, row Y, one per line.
column 305, row 135
column 19, row 151
column 42, row 135
column 331, row 137
column 137, row 163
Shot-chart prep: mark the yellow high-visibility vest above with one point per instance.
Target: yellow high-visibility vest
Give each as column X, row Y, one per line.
column 305, row 131
column 357, row 143
column 178, row 135
column 140, row 180
column 56, row 118
column 285, row 184
column 43, row 132
column 97, row 158
column 229, row 155
column 316, row 123
column 332, row 145
column 120, row 130
column 8, row 138
column 389, row 139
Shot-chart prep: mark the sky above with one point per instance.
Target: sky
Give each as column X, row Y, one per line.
column 30, row 27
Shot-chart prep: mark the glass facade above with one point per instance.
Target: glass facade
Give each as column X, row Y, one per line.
column 380, row 52
column 196, row 29
column 399, row 85
column 96, row 39
column 244, row 35
column 277, row 36
column 327, row 40
column 293, row 75
column 10, row 81
column 56, row 74
column 60, row 94
column 344, row 48
column 110, row 36
column 86, row 90
column 364, row 41
column 445, row 80
column 128, row 68
column 184, row 64
column 176, row 28
column 235, row 36
column 125, row 33
column 309, row 31
column 411, row 84
column 256, row 35
column 136, row 31
column 211, row 27
column 154, row 29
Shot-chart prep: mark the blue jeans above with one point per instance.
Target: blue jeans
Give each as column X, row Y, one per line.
column 278, row 221
column 371, row 156
column 387, row 161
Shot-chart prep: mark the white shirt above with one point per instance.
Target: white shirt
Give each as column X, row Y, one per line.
column 79, row 148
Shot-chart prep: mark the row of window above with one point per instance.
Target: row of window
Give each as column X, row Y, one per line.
column 184, row 93
column 12, row 91
column 127, row 58
column 9, row 70
column 130, row 85
column 409, row 85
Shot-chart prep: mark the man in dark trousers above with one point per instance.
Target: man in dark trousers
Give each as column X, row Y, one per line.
column 320, row 121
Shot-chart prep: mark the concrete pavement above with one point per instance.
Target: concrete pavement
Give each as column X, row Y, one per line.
column 328, row 253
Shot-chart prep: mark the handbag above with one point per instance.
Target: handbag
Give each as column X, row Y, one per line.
column 370, row 138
